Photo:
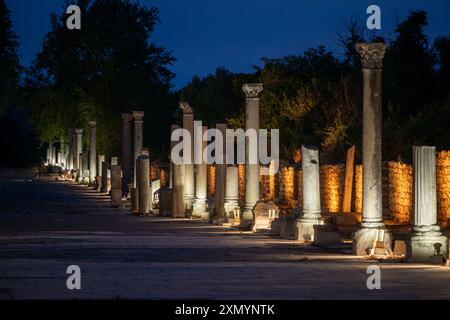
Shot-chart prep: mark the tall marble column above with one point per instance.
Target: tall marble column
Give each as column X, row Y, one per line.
column 311, row 194
column 126, row 152
column 178, row 204
column 199, row 206
column 219, row 195
column 372, row 216
column 188, row 142
column 92, row 152
column 426, row 234
column 138, row 138
column 252, row 92
column 231, row 190
column 79, row 150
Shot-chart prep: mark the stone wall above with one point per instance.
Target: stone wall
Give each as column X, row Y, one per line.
column 358, row 189
column 211, row 175
column 400, row 191
column 286, row 186
column 443, row 185
column 241, row 178
column 332, row 178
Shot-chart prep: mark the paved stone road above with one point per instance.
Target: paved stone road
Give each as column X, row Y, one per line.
column 47, row 226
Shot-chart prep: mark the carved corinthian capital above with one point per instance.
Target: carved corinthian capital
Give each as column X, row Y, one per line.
column 138, row 115
column 126, row 117
column 252, row 90
column 186, row 108
column 371, row 54
column 92, row 124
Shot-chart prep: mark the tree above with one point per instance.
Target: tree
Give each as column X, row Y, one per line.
column 9, row 60
column 109, row 67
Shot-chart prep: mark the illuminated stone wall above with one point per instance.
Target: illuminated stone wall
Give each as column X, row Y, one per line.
column 443, row 185
column 332, row 179
column 358, row 189
column 211, row 180
column 300, row 188
column 241, row 178
column 400, row 191
column 267, row 187
column 286, row 186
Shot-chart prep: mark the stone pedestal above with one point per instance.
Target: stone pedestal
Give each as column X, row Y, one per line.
column 264, row 214
column 138, row 138
column 231, row 190
column 126, row 152
column 92, row 152
column 199, row 206
column 311, row 194
column 372, row 216
column 251, row 92
column 426, row 238
column 116, row 186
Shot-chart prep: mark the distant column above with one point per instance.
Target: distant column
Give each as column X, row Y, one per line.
column 252, row 92
column 231, row 190
column 116, row 186
column 199, row 206
column 188, row 141
column 126, row 152
column 179, row 208
column 138, row 138
column 219, row 202
column 143, row 184
column 79, row 150
column 92, row 152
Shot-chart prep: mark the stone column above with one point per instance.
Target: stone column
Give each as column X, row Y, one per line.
column 138, row 138
column 178, row 205
column 231, row 190
column 143, row 184
column 92, row 152
column 73, row 149
column 85, row 167
column 79, row 150
column 104, row 177
column 126, row 152
column 199, row 206
column 100, row 160
column 311, row 194
column 116, row 186
column 372, row 216
column 188, row 142
column 426, row 234
column 219, row 195
column 51, row 160
column 252, row 92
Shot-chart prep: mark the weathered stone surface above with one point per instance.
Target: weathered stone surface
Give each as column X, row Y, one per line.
column 363, row 240
column 262, row 215
column 326, row 234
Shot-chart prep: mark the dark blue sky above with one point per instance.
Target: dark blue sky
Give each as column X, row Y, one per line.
column 205, row 34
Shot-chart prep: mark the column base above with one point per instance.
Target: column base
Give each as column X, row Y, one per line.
column 304, row 231
column 116, row 198
column 247, row 221
column 421, row 247
column 363, row 240
column 230, row 207
column 199, row 208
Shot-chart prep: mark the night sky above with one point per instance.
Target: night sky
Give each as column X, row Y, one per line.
column 205, row 34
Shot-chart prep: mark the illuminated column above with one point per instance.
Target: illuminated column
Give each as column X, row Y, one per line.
column 252, row 92
column 311, row 194
column 138, row 137
column 426, row 235
column 126, row 152
column 85, row 167
column 79, row 150
column 219, row 195
column 199, row 206
column 178, row 205
column 73, row 149
column 116, row 186
column 188, row 142
column 92, row 152
column 104, row 177
column 372, row 216
column 231, row 189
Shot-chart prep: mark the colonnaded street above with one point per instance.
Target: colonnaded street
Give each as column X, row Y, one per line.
column 46, row 226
